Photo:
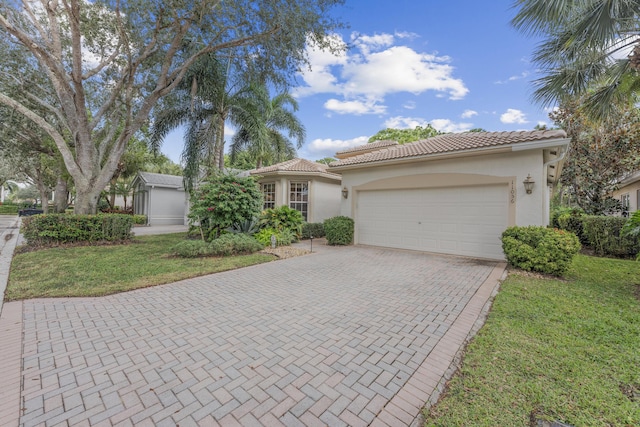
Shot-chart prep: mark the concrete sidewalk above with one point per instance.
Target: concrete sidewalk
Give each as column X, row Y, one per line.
column 9, row 232
column 348, row 336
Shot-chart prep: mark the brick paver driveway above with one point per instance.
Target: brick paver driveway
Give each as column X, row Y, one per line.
column 346, row 336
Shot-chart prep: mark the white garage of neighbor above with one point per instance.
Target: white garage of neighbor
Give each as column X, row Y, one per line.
column 453, row 193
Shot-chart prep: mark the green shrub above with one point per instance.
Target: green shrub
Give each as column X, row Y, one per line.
column 65, row 228
column 632, row 228
column 315, row 229
column 339, row 230
column 6, row 209
column 571, row 220
column 234, row 244
column 605, row 236
column 223, row 201
column 283, row 237
column 191, row 249
column 282, row 218
column 140, row 219
column 249, row 226
column 225, row 245
column 541, row 249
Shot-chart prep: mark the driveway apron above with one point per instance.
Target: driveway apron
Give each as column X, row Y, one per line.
column 346, row 336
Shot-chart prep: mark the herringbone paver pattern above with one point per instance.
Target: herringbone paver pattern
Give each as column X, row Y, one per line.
column 324, row 339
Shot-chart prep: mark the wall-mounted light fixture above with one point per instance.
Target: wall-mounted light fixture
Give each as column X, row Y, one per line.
column 345, row 192
column 528, row 184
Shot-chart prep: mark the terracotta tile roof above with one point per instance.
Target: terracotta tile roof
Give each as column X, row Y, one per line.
column 451, row 143
column 365, row 148
column 161, row 180
column 295, row 165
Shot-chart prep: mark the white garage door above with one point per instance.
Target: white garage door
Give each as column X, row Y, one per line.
column 455, row 220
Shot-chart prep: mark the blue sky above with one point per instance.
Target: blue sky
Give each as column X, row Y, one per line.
column 457, row 65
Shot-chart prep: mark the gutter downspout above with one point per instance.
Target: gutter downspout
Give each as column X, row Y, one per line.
column 545, row 166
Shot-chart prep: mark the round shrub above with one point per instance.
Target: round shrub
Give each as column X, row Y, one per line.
column 541, row 249
column 339, row 230
column 191, row 249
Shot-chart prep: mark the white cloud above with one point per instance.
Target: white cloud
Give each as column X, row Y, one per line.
column 513, row 116
column 328, row 147
column 468, row 114
column 400, row 122
column 446, row 125
column 443, row 125
column 378, row 67
column 409, row 105
column 356, row 107
column 522, row 75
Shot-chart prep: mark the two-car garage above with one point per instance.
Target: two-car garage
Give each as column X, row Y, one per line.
column 451, row 193
column 453, row 220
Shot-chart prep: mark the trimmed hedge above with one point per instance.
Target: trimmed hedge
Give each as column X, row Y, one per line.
column 68, row 228
column 225, row 245
column 541, row 249
column 339, row 230
column 315, row 229
column 605, row 236
column 9, row 209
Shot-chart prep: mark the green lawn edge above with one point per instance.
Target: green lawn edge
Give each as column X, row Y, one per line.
column 563, row 350
column 91, row 271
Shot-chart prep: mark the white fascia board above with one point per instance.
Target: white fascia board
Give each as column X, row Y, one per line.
column 522, row 146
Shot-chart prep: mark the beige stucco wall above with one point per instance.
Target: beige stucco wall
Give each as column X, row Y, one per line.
column 509, row 168
column 633, row 189
column 325, row 198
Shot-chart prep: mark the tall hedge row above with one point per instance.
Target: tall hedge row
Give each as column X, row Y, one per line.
column 68, row 228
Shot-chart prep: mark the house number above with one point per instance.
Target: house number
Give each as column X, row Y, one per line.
column 513, row 193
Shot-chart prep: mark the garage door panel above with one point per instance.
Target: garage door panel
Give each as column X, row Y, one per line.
column 460, row 220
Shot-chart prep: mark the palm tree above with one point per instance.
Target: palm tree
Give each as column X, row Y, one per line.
column 591, row 51
column 204, row 101
column 267, row 131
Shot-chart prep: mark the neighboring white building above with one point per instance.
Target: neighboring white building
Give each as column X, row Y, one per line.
column 452, row 193
column 302, row 185
column 161, row 198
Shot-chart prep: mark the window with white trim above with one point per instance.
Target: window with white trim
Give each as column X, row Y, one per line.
column 269, row 195
column 625, row 200
column 299, row 197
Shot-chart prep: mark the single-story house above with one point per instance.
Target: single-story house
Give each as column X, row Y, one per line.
column 161, row 198
column 453, row 193
column 629, row 193
column 302, row 185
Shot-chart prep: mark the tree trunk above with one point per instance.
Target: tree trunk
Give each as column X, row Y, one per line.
column 62, row 195
column 44, row 196
column 86, row 200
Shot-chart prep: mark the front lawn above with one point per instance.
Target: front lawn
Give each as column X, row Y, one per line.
column 102, row 270
column 556, row 350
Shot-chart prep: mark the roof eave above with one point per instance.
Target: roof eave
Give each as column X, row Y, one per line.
column 463, row 153
column 329, row 175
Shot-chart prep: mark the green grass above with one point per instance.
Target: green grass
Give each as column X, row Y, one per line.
column 102, row 270
column 556, row 350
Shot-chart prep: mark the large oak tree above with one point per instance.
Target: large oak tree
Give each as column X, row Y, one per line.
column 102, row 66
